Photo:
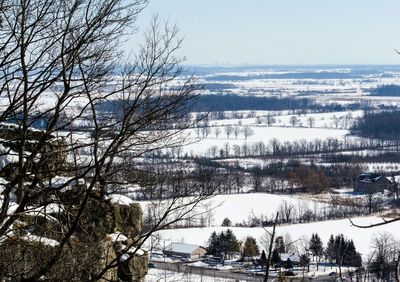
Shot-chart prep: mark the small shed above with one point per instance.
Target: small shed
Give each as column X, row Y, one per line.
column 185, row 251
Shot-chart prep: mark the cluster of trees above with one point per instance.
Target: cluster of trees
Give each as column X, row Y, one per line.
column 377, row 156
column 285, row 75
column 229, row 130
column 275, row 148
column 271, row 117
column 384, row 260
column 380, row 125
column 339, row 250
column 342, row 251
column 223, row 245
column 386, row 90
column 232, row 102
column 302, row 178
column 226, row 245
column 309, row 178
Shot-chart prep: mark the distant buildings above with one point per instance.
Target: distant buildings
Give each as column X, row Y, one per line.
column 372, row 183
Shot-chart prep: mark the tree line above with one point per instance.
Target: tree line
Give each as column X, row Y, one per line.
column 276, row 148
column 379, row 125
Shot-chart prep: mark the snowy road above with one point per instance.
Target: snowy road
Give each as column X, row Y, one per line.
column 214, row 274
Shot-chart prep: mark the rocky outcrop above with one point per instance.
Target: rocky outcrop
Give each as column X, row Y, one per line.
column 106, row 230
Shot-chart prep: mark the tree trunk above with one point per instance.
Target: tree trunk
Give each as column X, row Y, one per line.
column 271, row 243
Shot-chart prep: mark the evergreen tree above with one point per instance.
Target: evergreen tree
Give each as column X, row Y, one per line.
column 316, row 245
column 231, row 243
column 263, row 257
column 250, row 248
column 222, row 244
column 330, row 252
column 352, row 258
column 262, row 261
column 342, row 251
column 275, row 258
column 212, row 245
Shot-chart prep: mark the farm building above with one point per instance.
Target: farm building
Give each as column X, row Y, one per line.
column 185, row 250
column 372, row 183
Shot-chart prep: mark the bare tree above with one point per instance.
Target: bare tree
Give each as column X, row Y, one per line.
column 270, row 119
column 205, row 131
column 287, row 211
column 385, row 261
column 270, row 244
column 217, row 132
column 336, row 121
column 247, row 131
column 228, row 130
column 293, row 121
column 236, row 131
column 61, row 67
column 311, row 121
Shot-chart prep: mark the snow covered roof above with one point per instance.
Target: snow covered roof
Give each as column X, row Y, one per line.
column 370, row 177
column 182, row 248
column 293, row 257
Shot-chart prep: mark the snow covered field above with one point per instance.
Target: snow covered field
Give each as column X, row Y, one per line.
column 362, row 237
column 245, row 207
column 242, row 207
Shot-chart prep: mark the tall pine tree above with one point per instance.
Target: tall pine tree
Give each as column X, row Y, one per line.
column 316, row 247
column 330, row 252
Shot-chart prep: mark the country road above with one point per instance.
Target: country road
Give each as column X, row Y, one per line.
column 237, row 276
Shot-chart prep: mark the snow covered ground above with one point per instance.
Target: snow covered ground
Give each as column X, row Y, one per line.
column 242, row 207
column 362, row 237
column 245, row 207
column 168, row 276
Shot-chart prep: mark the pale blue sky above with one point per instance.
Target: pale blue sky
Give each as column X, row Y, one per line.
column 270, row 32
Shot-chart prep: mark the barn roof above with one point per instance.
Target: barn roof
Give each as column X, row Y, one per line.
column 182, row 248
column 371, row 177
